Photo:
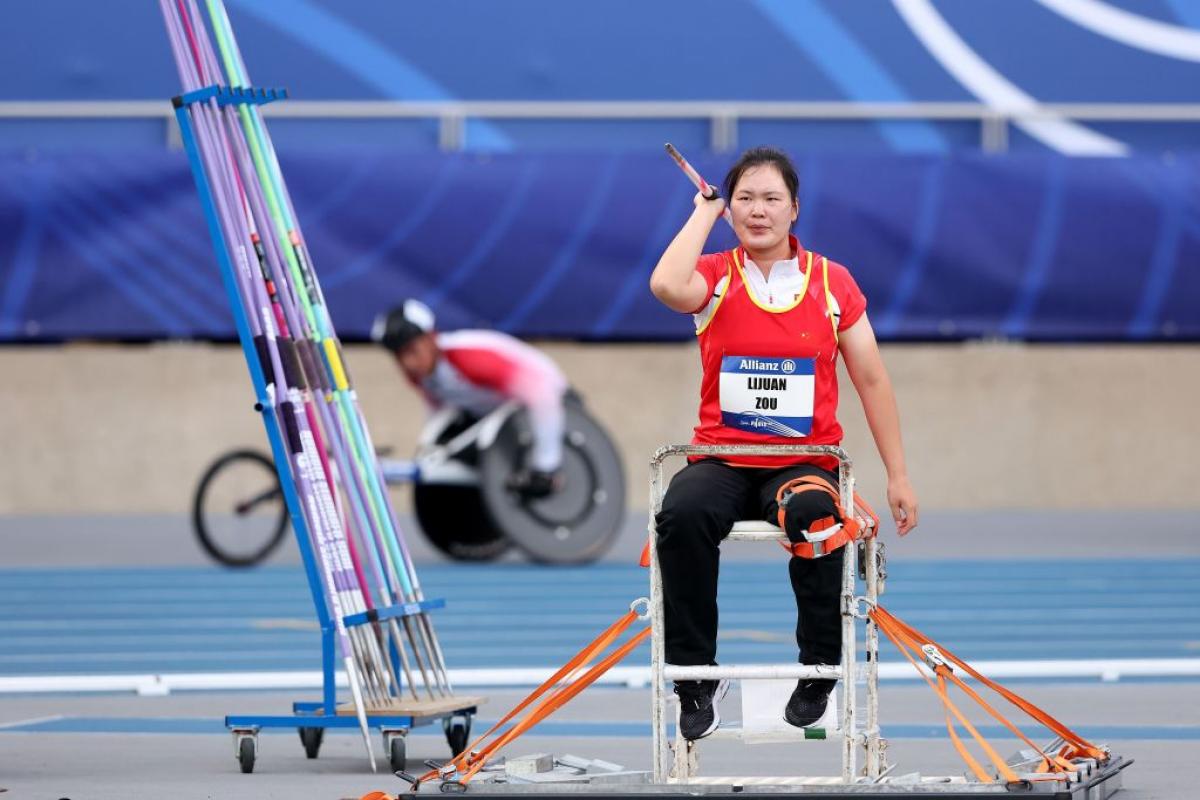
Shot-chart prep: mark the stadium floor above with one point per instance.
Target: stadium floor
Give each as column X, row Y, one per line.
column 157, row 608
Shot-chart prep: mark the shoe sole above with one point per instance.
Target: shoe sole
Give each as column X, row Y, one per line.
column 718, row 695
column 790, row 720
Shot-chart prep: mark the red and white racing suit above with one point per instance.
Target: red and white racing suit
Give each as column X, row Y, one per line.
column 480, row 370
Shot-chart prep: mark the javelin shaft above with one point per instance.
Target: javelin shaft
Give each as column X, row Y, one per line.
column 376, row 668
column 267, row 168
column 316, row 312
column 284, row 311
column 255, row 201
column 315, row 491
column 259, row 146
column 354, row 483
column 205, row 55
column 697, row 181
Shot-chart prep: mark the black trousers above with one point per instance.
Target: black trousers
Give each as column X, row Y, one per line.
column 703, row 501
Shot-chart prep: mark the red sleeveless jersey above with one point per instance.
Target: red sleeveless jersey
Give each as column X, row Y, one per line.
column 770, row 374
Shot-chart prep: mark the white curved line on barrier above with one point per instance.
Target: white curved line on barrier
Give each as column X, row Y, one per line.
column 1134, row 30
column 979, row 78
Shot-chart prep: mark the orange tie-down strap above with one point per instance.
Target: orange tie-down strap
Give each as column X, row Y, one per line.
column 913, row 645
column 862, row 525
column 566, row 683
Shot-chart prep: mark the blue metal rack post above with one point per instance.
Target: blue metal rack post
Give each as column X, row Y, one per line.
column 310, row 718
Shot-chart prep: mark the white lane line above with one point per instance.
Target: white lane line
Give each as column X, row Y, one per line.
column 21, row 723
column 992, row 88
column 1105, row 669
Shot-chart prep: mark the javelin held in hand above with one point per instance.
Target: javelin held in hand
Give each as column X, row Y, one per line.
column 707, row 189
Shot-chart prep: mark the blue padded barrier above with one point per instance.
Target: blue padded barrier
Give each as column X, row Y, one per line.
column 113, row 246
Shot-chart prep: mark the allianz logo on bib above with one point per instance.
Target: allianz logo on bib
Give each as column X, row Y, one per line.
column 767, row 364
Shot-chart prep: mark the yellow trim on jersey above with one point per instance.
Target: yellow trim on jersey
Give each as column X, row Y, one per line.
column 750, row 293
column 829, row 299
column 721, row 299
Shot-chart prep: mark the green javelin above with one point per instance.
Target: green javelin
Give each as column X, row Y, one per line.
column 350, row 420
column 271, row 181
column 348, row 405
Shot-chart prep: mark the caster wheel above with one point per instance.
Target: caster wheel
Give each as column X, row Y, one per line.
column 397, row 755
column 311, row 738
column 458, row 732
column 245, row 754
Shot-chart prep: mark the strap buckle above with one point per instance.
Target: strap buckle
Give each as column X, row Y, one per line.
column 933, row 658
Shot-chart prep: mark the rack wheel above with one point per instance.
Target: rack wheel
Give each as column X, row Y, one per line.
column 397, row 753
column 458, row 732
column 245, row 753
column 311, row 738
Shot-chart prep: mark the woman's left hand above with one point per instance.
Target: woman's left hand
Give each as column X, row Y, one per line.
column 903, row 502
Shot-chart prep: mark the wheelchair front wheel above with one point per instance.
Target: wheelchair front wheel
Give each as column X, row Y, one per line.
column 238, row 511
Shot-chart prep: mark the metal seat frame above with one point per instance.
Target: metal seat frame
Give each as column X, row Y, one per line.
column 856, row 730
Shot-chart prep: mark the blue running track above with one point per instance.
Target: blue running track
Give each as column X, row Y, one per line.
column 162, row 620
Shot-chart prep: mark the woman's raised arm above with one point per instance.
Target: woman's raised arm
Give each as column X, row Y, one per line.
column 675, row 281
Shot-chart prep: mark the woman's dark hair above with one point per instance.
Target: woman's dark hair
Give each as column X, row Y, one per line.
column 756, row 157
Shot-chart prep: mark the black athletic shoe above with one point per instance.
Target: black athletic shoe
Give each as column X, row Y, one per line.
column 534, row 484
column 808, row 701
column 698, row 715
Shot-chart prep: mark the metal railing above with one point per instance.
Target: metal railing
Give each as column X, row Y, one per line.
column 722, row 117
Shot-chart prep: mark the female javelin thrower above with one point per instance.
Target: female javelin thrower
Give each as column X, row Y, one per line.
column 771, row 318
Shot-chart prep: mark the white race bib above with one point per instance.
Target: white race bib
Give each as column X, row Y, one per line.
column 771, row 396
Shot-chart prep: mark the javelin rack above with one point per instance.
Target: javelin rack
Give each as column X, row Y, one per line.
column 311, row 719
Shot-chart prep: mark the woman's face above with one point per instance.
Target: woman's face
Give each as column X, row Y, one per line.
column 763, row 209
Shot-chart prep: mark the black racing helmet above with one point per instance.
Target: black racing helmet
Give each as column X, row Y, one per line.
column 402, row 324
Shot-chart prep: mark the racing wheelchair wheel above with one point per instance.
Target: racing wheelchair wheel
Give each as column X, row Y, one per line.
column 576, row 524
column 452, row 516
